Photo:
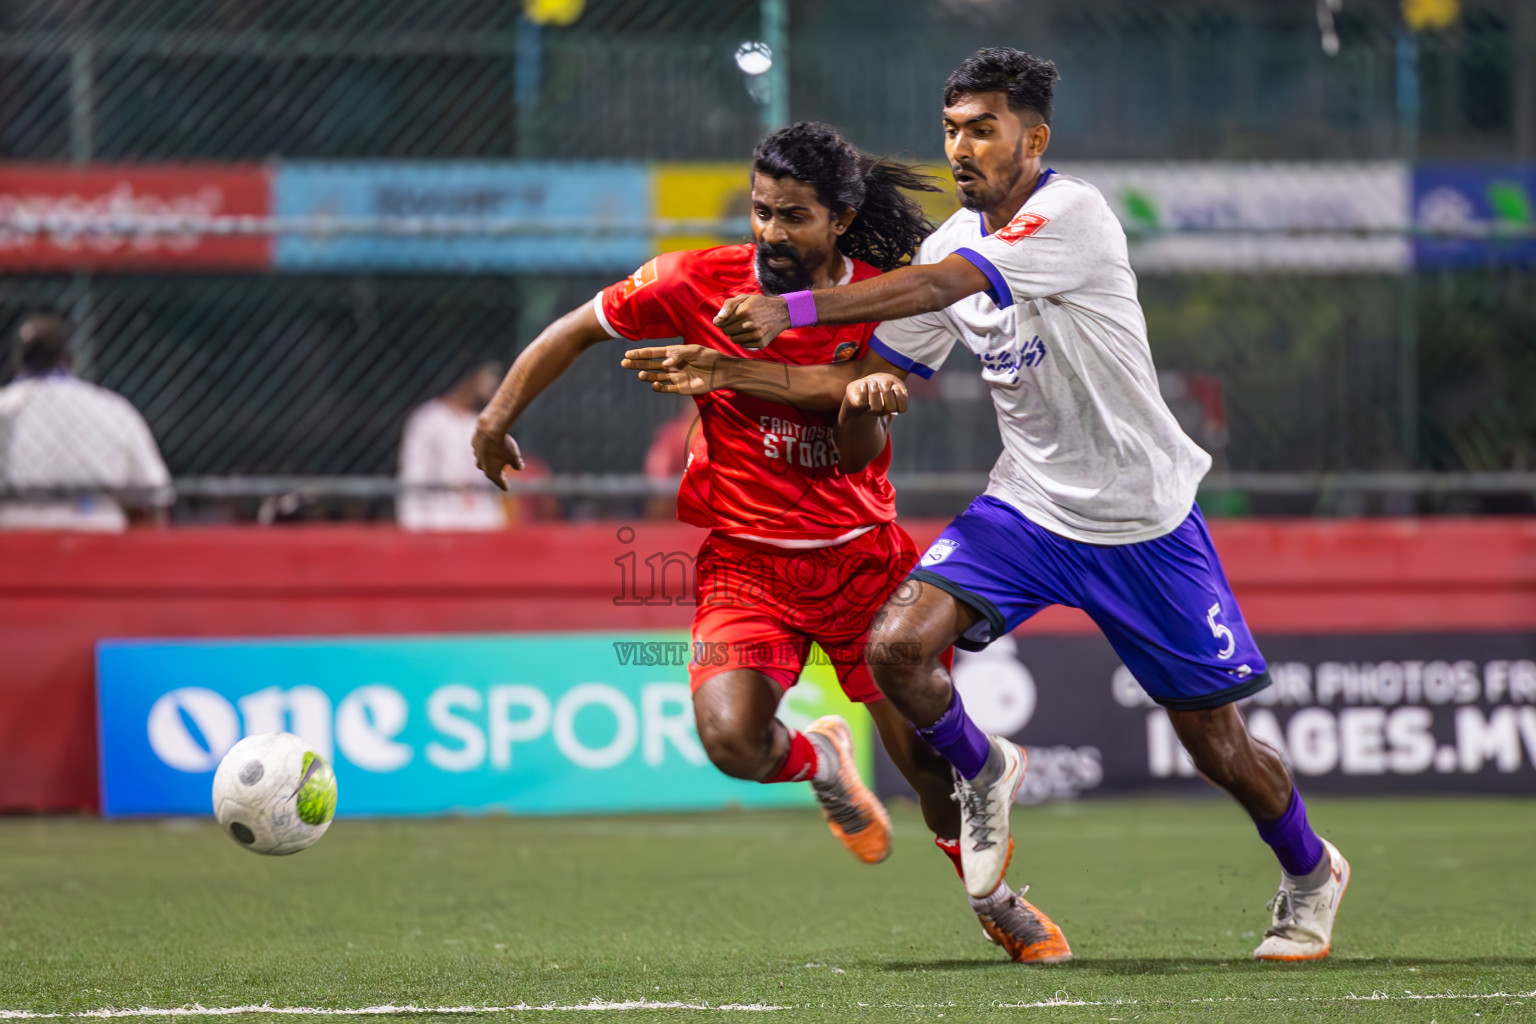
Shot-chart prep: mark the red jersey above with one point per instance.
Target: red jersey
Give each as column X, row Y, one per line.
column 757, row 467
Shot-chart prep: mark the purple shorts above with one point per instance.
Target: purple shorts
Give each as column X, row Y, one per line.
column 1163, row 604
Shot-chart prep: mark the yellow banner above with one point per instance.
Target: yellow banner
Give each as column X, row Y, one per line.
column 699, row 190
column 724, row 190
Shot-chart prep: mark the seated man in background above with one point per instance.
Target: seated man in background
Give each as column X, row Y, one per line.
column 73, row 456
column 441, row 487
column 667, row 458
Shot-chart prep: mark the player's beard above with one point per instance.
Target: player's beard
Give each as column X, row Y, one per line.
column 990, row 195
column 796, row 278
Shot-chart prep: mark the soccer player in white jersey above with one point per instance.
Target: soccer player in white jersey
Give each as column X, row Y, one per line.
column 1092, row 503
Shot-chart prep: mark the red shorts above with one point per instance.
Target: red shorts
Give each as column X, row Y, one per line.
column 760, row 607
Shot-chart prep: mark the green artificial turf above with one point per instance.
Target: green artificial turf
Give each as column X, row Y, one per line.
column 1162, row 900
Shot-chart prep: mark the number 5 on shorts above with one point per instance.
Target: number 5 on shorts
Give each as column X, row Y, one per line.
column 1219, row 631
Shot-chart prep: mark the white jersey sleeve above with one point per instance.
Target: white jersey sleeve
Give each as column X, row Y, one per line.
column 918, row 344
column 1052, row 245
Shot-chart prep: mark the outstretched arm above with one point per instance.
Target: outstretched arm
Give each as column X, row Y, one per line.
column 536, row 368
column 753, row 321
column 696, row 370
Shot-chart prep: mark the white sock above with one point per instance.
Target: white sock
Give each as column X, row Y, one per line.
column 1001, row 894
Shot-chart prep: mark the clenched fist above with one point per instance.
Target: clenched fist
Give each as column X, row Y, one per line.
column 753, row 321
column 879, row 394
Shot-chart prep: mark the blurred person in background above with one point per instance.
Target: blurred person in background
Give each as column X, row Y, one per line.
column 668, row 457
column 443, row 489
column 73, row 456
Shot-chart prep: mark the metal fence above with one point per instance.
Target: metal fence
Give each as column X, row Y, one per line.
column 1317, row 390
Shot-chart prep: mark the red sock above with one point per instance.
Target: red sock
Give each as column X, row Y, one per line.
column 799, row 764
column 951, row 849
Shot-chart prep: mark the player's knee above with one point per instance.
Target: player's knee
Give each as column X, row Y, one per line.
column 737, row 751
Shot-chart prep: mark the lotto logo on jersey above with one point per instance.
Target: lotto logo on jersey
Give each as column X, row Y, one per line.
column 1022, row 226
column 941, row 549
column 639, row 279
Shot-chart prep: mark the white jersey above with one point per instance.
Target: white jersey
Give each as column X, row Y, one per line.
column 59, row 431
column 1090, row 449
column 437, row 456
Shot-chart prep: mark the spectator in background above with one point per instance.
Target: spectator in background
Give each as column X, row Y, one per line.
column 435, row 456
column 60, row 433
column 671, row 445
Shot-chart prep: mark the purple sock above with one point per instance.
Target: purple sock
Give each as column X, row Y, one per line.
column 1291, row 837
column 956, row 737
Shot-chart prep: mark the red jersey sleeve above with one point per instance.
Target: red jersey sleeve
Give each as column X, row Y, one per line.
column 642, row 306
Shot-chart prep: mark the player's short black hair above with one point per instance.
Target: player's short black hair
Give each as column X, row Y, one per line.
column 43, row 343
column 1029, row 81
column 890, row 224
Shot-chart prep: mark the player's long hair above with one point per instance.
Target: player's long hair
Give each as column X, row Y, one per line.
column 890, row 223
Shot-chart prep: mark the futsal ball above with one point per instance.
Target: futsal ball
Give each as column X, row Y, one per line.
column 274, row 795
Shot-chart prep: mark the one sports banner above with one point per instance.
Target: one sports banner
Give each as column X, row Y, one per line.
column 1383, row 713
column 530, row 724
column 60, row 218
column 1226, row 217
column 466, row 215
column 1473, row 216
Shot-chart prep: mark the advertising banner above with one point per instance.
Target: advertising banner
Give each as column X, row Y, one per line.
column 536, row 724
column 1389, row 713
column 604, row 208
column 30, row 193
column 1496, row 206
column 1210, row 216
column 686, row 191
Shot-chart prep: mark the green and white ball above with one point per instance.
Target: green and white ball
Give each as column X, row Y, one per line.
column 274, row 795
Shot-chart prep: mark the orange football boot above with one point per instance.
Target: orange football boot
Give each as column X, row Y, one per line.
column 1028, row 936
column 854, row 814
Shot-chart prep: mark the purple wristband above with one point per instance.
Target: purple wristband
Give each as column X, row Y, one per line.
column 802, row 309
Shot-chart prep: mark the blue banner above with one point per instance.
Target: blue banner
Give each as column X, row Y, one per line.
column 613, row 196
column 543, row 724
column 1491, row 202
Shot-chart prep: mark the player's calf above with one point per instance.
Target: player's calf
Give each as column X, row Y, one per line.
column 1313, row 874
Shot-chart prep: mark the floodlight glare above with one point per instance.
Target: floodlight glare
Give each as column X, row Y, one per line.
column 754, row 58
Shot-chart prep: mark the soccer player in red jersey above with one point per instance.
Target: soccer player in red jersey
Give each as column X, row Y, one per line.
column 798, row 550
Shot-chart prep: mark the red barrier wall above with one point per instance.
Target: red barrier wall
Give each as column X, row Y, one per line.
column 59, row 593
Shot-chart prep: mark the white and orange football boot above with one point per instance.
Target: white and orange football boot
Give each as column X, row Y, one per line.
column 1028, row 936
column 854, row 814
column 985, row 803
column 1302, row 928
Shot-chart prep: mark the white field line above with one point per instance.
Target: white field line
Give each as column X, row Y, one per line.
column 1375, row 997
column 645, row 1004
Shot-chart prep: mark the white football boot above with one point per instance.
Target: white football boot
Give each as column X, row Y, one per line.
column 1303, row 924
column 984, row 842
